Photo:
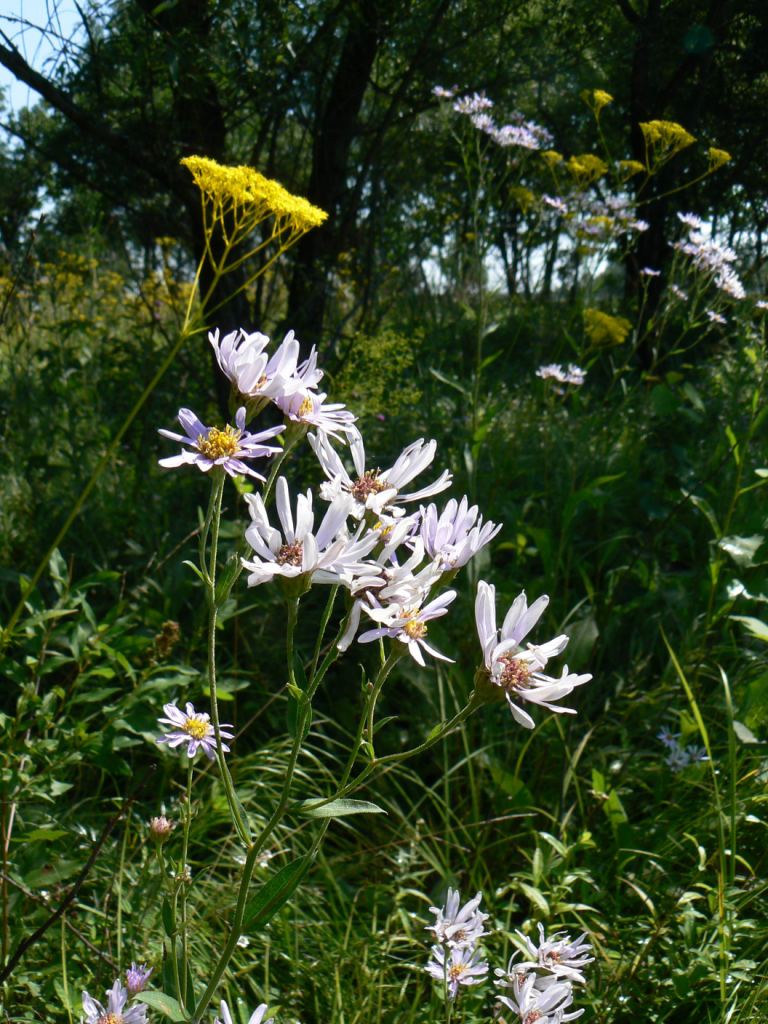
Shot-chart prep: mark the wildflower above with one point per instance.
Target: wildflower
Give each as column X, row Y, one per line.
column 542, row 1005
column 604, row 329
column 629, row 168
column 715, row 318
column 256, row 1017
column 761, row 304
column 555, row 203
column 298, row 551
column 115, row 1012
column 596, row 99
column 245, row 362
column 160, row 828
column 457, row 926
column 473, row 104
column 253, row 197
column 518, row 672
column 443, row 94
column 525, row 134
column 456, row 534
column 678, row 293
column 373, row 490
column 717, row 157
column 214, row 447
column 409, row 625
column 668, row 738
column 309, row 409
column 136, row 978
column 648, row 272
column 554, row 371
column 586, row 169
column 663, row 140
column 456, row 966
column 551, row 158
column 562, row 956
column 193, row 728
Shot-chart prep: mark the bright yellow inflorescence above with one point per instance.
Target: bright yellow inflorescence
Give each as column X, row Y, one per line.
column 415, row 628
column 604, row 329
column 629, row 168
column 663, row 140
column 586, row 169
column 717, row 157
column 196, row 727
column 217, row 444
column 551, row 157
column 596, row 99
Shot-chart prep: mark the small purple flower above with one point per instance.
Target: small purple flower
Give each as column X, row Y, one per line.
column 214, row 447
column 193, row 728
column 136, row 978
column 456, row 966
column 409, row 626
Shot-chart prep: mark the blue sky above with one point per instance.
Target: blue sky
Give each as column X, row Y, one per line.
column 17, row 17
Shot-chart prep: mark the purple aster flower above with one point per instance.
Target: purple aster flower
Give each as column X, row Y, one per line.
column 136, row 978
column 193, row 728
column 115, row 1012
column 214, row 447
column 456, row 534
column 456, row 925
column 409, row 625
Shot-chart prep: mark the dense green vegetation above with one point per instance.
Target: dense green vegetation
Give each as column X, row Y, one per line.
column 593, row 369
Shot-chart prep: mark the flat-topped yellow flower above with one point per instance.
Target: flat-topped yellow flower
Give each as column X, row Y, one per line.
column 663, row 140
column 604, row 329
column 586, row 168
column 717, row 157
column 629, row 168
column 252, row 196
column 596, row 99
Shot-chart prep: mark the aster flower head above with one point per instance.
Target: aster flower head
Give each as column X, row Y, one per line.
column 307, row 408
column 409, row 625
column 542, row 1005
column 114, row 1012
column 160, row 828
column 193, row 728
column 256, row 1017
column 136, row 978
column 255, row 373
column 518, row 671
column 297, row 550
column 374, row 490
column 457, row 966
column 562, row 956
column 457, row 926
column 456, row 534
column 211, row 446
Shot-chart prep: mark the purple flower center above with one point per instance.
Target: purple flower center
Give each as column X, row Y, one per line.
column 291, row 554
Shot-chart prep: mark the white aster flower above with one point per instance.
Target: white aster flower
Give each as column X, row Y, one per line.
column 193, row 728
column 298, row 550
column 255, row 374
column 256, row 1017
column 715, row 318
column 456, row 534
column 409, row 625
column 114, row 1012
column 472, row 104
column 456, row 966
column 309, row 408
column 562, row 956
column 456, row 925
column 210, row 446
column 542, row 1005
column 517, row 670
column 374, row 490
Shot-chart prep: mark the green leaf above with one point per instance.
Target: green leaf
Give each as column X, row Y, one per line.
column 166, row 1005
column 337, row 808
column 167, row 915
column 274, row 893
column 44, row 835
column 703, row 506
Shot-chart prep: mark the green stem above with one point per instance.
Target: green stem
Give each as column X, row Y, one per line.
column 240, row 824
column 184, row 856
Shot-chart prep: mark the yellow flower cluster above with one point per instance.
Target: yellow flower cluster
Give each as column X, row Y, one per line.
column 551, row 157
column 586, row 168
column 522, row 197
column 252, row 197
column 596, row 99
column 717, row 157
column 604, row 329
column 663, row 140
column 628, row 168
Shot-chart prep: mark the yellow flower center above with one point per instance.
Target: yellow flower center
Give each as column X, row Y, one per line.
column 415, row 628
column 515, row 673
column 197, row 727
column 305, row 408
column 110, row 1018
column 455, row 971
column 217, row 444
